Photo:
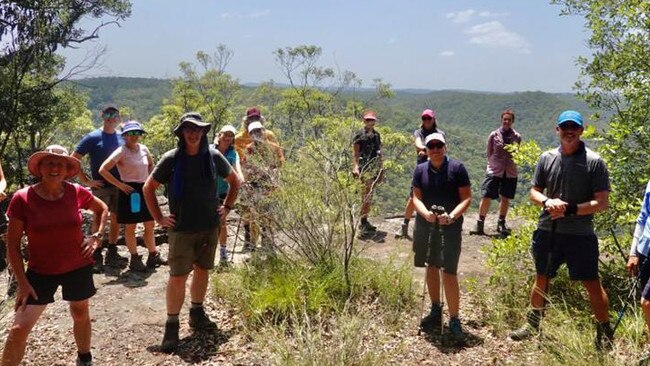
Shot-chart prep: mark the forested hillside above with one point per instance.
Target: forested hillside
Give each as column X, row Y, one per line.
column 467, row 117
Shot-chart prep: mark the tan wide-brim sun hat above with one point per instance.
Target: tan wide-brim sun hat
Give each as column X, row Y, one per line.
column 74, row 165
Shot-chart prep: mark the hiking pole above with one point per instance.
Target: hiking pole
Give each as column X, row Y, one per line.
column 431, row 228
column 627, row 302
column 439, row 210
column 620, row 250
column 234, row 245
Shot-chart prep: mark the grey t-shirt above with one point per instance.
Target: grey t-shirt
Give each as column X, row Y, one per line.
column 196, row 209
column 574, row 179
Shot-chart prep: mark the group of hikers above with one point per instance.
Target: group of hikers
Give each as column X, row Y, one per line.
column 203, row 180
column 570, row 184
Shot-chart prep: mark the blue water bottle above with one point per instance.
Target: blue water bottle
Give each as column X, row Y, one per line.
column 135, row 202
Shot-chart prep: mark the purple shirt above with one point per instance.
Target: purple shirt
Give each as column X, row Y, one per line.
column 499, row 161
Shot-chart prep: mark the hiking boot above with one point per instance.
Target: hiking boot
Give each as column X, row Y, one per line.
column 529, row 329
column 248, row 247
column 136, row 263
column 604, row 337
column 170, row 339
column 478, row 228
column 113, row 259
column 370, row 227
column 84, row 363
column 155, row 260
column 456, row 330
column 433, row 321
column 644, row 358
column 502, row 228
column 199, row 320
column 404, row 232
column 98, row 266
column 223, row 262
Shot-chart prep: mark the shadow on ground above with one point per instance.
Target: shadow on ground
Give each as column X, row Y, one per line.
column 198, row 346
column 378, row 236
column 129, row 278
column 444, row 342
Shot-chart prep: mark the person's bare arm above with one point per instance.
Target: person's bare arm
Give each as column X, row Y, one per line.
column 93, row 242
column 83, row 178
column 15, row 231
column 3, row 185
column 105, row 171
column 149, row 193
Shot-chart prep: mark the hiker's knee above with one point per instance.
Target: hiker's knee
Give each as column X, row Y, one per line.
column 645, row 304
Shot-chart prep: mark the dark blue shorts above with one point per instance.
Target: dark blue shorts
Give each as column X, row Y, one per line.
column 75, row 285
column 644, row 275
column 492, row 187
column 579, row 252
column 437, row 247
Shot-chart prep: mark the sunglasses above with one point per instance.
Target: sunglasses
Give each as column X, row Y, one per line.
column 109, row 115
column 435, row 145
column 427, row 119
column 192, row 128
column 133, row 133
column 569, row 126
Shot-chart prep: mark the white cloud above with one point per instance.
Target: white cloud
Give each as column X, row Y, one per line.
column 447, row 53
column 252, row 15
column 495, row 34
column 489, row 14
column 462, row 16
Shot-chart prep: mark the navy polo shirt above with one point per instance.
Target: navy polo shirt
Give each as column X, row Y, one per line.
column 440, row 187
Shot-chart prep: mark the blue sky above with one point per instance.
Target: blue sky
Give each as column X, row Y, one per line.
column 499, row 46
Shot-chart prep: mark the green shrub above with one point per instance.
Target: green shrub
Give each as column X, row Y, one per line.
column 277, row 289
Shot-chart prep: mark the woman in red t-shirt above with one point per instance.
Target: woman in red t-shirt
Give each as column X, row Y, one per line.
column 48, row 212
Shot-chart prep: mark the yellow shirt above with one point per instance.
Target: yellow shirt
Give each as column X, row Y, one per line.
column 242, row 139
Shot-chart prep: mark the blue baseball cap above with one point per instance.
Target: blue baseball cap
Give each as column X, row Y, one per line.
column 570, row 116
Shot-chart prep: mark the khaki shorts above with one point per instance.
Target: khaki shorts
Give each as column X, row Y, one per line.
column 188, row 248
column 108, row 195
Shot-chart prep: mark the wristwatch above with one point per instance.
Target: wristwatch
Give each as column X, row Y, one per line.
column 98, row 235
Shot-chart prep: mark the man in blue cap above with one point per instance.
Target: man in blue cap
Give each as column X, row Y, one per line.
column 570, row 183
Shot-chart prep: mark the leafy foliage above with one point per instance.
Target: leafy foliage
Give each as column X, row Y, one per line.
column 30, row 33
column 615, row 80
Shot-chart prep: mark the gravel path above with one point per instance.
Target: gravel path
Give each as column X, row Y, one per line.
column 128, row 315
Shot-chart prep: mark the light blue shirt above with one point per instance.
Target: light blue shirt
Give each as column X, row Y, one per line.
column 233, row 158
column 642, row 231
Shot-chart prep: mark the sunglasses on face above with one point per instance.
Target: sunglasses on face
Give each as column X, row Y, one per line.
column 569, row 126
column 109, row 115
column 435, row 145
column 133, row 133
column 192, row 129
column 427, row 119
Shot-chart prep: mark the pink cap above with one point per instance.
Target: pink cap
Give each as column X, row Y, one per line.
column 370, row 115
column 428, row 113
